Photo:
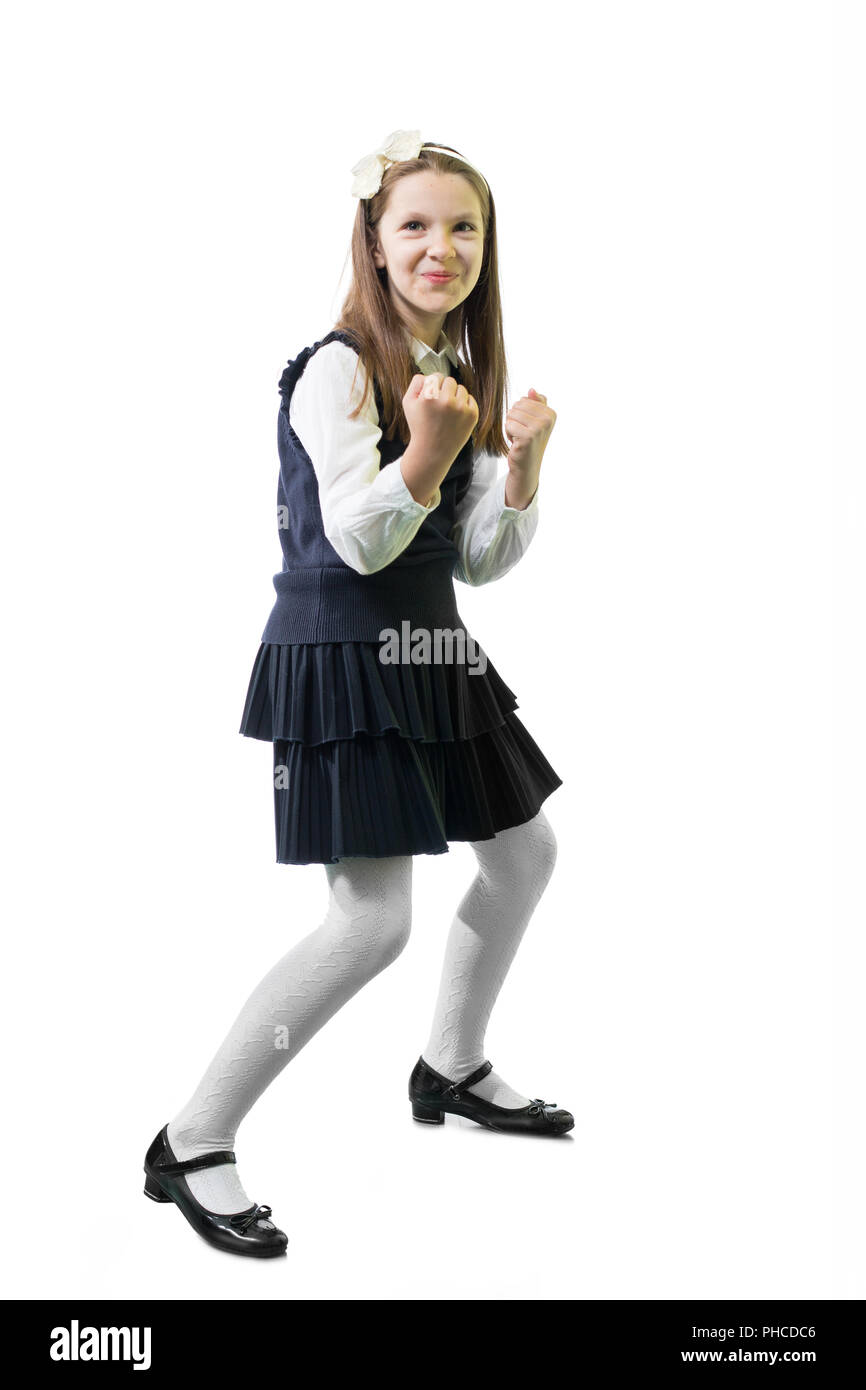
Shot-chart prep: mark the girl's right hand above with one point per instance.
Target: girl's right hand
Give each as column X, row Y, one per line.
column 441, row 415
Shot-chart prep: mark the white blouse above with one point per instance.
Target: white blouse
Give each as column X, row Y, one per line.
column 369, row 514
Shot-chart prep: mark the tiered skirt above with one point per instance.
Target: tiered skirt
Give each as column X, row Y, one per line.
column 373, row 760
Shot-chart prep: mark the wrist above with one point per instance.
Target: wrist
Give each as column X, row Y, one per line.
column 422, row 476
column 520, row 488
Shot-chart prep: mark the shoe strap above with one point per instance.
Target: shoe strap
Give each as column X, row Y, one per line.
column 455, row 1087
column 189, row 1165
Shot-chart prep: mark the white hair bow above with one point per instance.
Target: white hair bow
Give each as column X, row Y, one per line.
column 400, row 144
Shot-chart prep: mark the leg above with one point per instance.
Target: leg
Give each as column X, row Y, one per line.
column 513, row 871
column 366, row 927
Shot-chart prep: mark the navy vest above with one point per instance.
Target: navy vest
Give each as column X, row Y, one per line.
column 322, row 599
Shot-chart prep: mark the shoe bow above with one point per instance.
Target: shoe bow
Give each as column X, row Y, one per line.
column 242, row 1220
column 538, row 1106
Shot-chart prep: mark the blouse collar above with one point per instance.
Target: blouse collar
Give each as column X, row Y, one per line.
column 444, row 349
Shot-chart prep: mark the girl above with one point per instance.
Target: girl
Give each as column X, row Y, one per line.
column 391, row 738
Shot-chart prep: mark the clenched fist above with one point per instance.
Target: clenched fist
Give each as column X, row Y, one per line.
column 441, row 416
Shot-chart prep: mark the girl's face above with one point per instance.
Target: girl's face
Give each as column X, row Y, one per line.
column 432, row 223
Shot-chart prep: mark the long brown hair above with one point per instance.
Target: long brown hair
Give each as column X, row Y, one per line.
column 474, row 327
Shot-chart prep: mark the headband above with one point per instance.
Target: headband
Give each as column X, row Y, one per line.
column 399, row 145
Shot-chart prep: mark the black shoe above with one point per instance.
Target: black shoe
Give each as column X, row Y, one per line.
column 238, row 1231
column 432, row 1094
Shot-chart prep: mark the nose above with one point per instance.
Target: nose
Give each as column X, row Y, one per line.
column 440, row 250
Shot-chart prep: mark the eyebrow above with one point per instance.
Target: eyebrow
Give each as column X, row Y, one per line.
column 460, row 217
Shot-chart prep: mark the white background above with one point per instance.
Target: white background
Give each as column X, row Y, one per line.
column 678, row 189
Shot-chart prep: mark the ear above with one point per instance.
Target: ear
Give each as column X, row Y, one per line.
column 378, row 258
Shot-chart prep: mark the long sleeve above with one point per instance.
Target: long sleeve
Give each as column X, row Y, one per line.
column 490, row 537
column 368, row 513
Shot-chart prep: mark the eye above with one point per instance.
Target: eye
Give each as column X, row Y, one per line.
column 416, row 223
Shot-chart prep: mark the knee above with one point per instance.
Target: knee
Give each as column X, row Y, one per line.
column 544, row 845
column 393, row 928
column 533, row 852
column 371, row 908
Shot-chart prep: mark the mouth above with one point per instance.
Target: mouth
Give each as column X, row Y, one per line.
column 437, row 277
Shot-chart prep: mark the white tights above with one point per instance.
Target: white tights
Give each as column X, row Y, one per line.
column 365, row 928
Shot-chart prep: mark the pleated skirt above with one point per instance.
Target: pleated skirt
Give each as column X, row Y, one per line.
column 373, row 760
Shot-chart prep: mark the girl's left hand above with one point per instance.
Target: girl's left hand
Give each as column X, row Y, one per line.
column 528, row 426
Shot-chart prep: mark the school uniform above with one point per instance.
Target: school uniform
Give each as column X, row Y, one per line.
column 375, row 757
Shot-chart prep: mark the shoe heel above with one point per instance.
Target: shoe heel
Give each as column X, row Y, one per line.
column 427, row 1114
column 153, row 1190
